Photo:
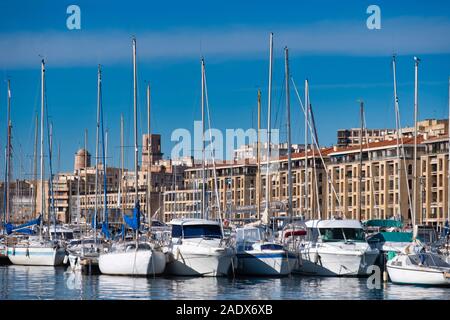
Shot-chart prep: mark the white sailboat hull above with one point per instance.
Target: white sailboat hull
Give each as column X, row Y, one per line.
column 401, row 270
column 36, row 256
column 132, row 263
column 327, row 263
column 421, row 277
column 274, row 263
column 186, row 260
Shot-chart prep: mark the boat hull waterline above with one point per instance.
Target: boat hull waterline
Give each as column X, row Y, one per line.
column 426, row 276
column 320, row 263
column 213, row 264
column 36, row 256
column 133, row 263
column 259, row 263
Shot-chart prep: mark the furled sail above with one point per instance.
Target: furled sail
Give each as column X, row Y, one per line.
column 134, row 221
column 23, row 228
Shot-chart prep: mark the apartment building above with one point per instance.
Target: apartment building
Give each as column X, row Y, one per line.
column 434, row 181
column 351, row 137
column 22, row 200
column 249, row 151
column 428, row 127
column 75, row 192
column 237, row 188
column 376, row 183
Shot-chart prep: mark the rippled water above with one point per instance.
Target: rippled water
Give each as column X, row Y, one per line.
column 30, row 282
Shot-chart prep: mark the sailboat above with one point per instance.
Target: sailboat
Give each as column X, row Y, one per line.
column 198, row 247
column 414, row 265
column 256, row 253
column 86, row 250
column 133, row 258
column 37, row 250
column 328, row 247
column 3, row 251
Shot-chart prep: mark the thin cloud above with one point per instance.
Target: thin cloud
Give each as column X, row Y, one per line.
column 404, row 35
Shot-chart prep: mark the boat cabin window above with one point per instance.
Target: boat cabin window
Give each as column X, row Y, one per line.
column 248, row 235
column 143, row 246
column 342, row 234
column 271, row 246
column 428, row 260
column 65, row 235
column 202, row 231
column 427, row 235
column 176, row 231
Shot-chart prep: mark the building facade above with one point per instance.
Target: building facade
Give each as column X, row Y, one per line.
column 434, row 182
column 242, row 198
column 377, row 186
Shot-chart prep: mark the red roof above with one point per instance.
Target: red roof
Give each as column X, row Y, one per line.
column 377, row 145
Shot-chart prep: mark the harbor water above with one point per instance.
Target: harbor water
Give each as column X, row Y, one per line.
column 49, row 283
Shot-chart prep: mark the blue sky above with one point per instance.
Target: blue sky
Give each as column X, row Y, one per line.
column 328, row 40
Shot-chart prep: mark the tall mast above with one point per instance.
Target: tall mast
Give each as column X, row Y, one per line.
column 8, row 157
column 174, row 172
column 96, row 150
column 136, row 151
column 35, row 151
column 105, row 169
column 361, row 115
column 59, row 157
column 416, row 110
column 85, row 173
column 42, row 147
column 314, row 140
column 306, row 146
column 397, row 129
column 266, row 218
column 149, row 165
column 121, row 159
column 78, row 199
column 203, row 143
column 288, row 114
column 106, row 143
column 4, row 194
column 51, row 211
column 258, row 160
